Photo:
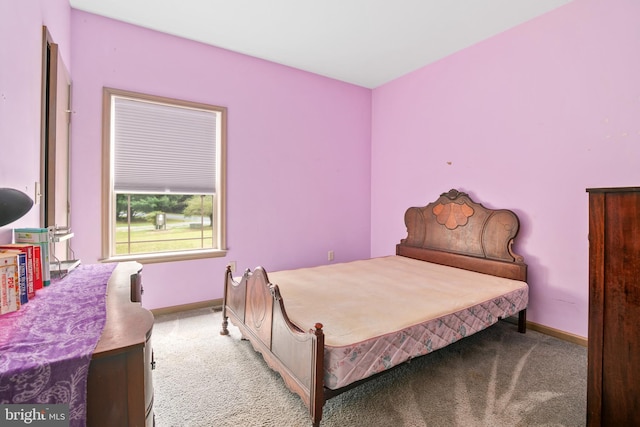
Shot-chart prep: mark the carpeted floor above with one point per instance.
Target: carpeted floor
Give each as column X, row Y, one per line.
column 495, row 378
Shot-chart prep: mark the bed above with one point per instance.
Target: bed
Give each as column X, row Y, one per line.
column 327, row 329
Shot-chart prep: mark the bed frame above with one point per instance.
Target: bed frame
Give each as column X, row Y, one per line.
column 453, row 231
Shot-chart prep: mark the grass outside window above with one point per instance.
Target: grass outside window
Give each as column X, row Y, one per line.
column 178, row 236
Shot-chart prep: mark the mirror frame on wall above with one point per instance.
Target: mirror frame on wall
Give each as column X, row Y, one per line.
column 55, row 146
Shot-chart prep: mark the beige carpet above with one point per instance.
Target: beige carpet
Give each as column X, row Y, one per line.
column 497, row 377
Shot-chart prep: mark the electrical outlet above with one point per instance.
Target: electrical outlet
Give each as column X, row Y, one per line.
column 330, row 256
column 232, row 264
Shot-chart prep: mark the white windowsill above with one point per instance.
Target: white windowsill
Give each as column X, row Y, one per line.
column 168, row 256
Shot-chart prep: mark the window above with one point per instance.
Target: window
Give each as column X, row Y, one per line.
column 164, row 173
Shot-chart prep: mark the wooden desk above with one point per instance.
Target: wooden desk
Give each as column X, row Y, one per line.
column 120, row 386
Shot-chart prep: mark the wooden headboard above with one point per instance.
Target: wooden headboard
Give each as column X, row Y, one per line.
column 456, row 231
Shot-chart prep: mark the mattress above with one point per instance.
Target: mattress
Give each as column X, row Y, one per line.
column 380, row 312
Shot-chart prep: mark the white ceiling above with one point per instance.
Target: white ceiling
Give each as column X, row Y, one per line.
column 364, row 42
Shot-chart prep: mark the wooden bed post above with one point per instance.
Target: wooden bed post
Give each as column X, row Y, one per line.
column 522, row 321
column 317, row 381
column 225, row 319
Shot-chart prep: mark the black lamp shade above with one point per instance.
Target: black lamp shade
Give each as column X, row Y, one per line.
column 13, row 205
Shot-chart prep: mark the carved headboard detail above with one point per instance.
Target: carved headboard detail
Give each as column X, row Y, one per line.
column 452, row 215
column 456, row 224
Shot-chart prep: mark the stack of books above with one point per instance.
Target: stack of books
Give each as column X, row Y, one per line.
column 38, row 237
column 21, row 275
column 24, row 268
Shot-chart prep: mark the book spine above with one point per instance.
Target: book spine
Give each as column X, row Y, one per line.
column 13, row 295
column 9, row 297
column 4, row 289
column 31, row 292
column 37, row 267
column 22, row 277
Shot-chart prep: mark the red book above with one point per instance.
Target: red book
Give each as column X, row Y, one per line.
column 37, row 268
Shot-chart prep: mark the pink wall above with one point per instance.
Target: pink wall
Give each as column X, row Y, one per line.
column 20, row 92
column 298, row 152
column 526, row 120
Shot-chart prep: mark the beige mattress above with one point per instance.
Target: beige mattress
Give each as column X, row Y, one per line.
column 380, row 312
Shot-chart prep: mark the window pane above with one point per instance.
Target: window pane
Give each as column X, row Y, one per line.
column 147, row 223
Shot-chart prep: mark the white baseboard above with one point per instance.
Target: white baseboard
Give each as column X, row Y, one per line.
column 556, row 333
column 215, row 304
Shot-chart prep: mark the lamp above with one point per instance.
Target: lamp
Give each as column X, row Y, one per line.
column 14, row 204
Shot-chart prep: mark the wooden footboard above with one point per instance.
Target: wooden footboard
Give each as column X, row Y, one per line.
column 255, row 307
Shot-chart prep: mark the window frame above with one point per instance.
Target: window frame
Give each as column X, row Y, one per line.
column 109, row 194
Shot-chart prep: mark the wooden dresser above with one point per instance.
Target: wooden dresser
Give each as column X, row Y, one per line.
column 119, row 386
column 613, row 379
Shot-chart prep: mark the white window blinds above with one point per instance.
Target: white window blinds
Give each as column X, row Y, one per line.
column 162, row 148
